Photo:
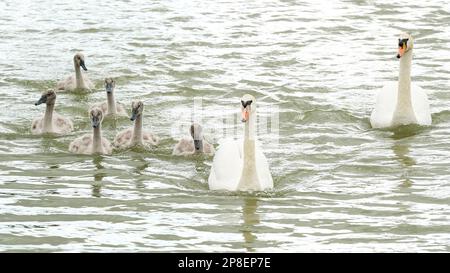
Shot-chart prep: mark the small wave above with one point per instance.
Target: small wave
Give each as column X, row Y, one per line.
column 331, row 116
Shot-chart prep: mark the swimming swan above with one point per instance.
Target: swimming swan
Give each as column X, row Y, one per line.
column 196, row 144
column 135, row 136
column 398, row 103
column 93, row 143
column 110, row 106
column 51, row 122
column 241, row 165
column 80, row 81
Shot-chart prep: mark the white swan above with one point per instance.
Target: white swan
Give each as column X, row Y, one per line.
column 93, row 143
column 135, row 136
column 241, row 165
column 196, row 144
column 111, row 107
column 51, row 122
column 400, row 103
column 80, row 81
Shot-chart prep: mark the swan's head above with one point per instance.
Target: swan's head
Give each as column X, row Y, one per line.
column 78, row 59
column 248, row 107
column 110, row 84
column 136, row 109
column 96, row 116
column 48, row 97
column 405, row 44
column 197, row 135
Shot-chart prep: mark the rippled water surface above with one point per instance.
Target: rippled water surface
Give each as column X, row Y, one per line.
column 339, row 185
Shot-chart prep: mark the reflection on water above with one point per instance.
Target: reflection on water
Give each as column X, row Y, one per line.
column 143, row 164
column 139, row 169
column 251, row 219
column 406, row 131
column 47, row 142
column 401, row 150
column 200, row 165
column 98, row 176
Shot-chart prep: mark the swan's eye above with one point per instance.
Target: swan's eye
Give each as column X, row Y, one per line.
column 402, row 42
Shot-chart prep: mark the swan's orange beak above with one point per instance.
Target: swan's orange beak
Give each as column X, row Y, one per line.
column 245, row 115
column 401, row 51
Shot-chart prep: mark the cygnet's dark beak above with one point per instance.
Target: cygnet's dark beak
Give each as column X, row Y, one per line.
column 43, row 99
column 198, row 144
column 83, row 65
column 133, row 115
column 109, row 88
column 95, row 122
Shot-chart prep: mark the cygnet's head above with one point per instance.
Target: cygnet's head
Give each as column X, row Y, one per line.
column 110, row 84
column 248, row 106
column 405, row 44
column 196, row 133
column 78, row 59
column 136, row 109
column 96, row 116
column 48, row 97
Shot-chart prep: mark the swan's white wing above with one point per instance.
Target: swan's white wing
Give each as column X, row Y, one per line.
column 227, row 166
column 384, row 108
column 262, row 167
column 421, row 105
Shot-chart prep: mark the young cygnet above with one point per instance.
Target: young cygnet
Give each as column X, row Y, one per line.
column 93, row 143
column 196, row 144
column 51, row 122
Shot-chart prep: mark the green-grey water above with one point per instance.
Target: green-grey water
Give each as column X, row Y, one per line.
column 338, row 184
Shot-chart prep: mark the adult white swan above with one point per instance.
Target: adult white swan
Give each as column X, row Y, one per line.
column 80, row 81
column 400, row 103
column 240, row 165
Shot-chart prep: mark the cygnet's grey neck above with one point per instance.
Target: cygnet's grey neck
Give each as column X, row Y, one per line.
column 111, row 102
column 97, row 140
column 78, row 76
column 137, row 131
column 48, row 117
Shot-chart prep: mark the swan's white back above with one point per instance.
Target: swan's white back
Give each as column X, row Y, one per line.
column 227, row 167
column 383, row 113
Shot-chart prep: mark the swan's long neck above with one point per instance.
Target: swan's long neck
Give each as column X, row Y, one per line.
column 78, row 76
column 111, row 103
column 48, row 118
column 97, row 146
column 404, row 112
column 249, row 178
column 137, row 131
